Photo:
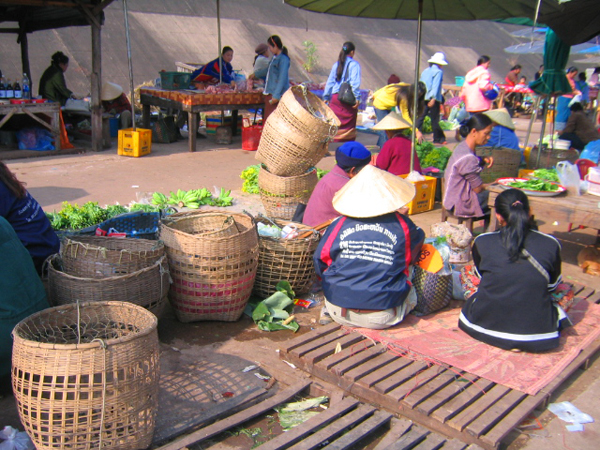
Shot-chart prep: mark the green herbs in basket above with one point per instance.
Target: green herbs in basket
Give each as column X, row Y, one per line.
column 546, row 174
column 250, row 177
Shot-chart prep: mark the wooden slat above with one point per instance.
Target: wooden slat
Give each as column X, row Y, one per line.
column 237, row 419
column 594, row 298
column 493, row 415
column 465, row 417
column 585, row 293
column 288, row 346
column 348, row 350
column 444, row 395
column 327, row 350
column 397, row 428
column 399, row 377
column 369, row 366
column 382, row 373
column 419, row 380
column 358, row 359
column 300, row 432
column 361, row 431
column 432, row 442
column 471, row 393
column 454, row 444
column 317, row 343
column 335, row 429
column 410, row 439
column 423, row 392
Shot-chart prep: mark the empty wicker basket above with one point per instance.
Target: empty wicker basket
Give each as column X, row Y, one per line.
column 286, row 260
column 506, row 162
column 212, row 259
column 86, row 376
column 297, row 134
column 282, row 195
column 550, row 157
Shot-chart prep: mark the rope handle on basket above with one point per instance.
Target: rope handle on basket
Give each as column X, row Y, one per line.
column 318, row 228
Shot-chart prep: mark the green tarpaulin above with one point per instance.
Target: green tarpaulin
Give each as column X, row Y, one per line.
column 556, row 56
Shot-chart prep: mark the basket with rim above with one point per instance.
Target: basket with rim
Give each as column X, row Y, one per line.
column 506, row 162
column 289, row 260
column 282, row 195
column 550, row 157
column 85, row 376
column 213, row 258
column 296, row 135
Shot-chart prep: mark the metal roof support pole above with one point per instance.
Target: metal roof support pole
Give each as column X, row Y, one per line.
column 96, row 83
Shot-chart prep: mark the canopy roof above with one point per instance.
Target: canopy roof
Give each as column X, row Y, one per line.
column 35, row 15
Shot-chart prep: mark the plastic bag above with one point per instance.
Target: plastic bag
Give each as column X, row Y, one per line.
column 568, row 174
column 415, row 176
column 591, row 151
column 35, row 139
column 433, row 289
column 15, row 440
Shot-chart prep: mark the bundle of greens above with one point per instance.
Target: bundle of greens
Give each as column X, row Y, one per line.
column 432, row 156
column 250, row 177
column 546, row 174
column 535, row 185
column 193, row 199
column 426, row 128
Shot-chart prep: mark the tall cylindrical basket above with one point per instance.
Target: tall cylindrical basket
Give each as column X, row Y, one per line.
column 85, row 376
column 282, row 195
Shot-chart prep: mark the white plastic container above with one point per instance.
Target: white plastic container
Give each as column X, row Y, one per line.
column 593, row 178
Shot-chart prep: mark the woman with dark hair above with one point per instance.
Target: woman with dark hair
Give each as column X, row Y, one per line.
column 563, row 109
column 401, row 96
column 519, row 268
column 477, row 83
column 512, row 77
column 465, row 194
column 278, row 79
column 579, row 128
column 219, row 69
column 52, row 84
column 25, row 215
column 345, row 69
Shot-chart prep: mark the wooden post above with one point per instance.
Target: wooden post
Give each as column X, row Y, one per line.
column 96, row 83
column 25, row 58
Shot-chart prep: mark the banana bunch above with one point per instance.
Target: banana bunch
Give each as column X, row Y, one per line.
column 182, row 199
column 160, row 200
column 224, row 198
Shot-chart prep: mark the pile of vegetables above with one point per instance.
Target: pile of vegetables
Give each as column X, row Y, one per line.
column 535, row 185
column 427, row 128
column 546, row 174
column 75, row 217
column 250, row 177
column 432, row 156
column 193, row 199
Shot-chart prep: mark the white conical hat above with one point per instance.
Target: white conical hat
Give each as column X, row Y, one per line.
column 110, row 91
column 373, row 192
column 393, row 121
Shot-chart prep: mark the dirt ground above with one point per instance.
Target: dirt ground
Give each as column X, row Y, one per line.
column 106, row 178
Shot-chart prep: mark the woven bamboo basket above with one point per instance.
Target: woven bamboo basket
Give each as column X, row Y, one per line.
column 551, row 157
column 212, row 259
column 286, row 260
column 85, row 376
column 147, row 287
column 296, row 135
column 282, row 195
column 99, row 257
column 506, row 163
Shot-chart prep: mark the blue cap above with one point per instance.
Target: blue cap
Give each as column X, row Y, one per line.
column 352, row 154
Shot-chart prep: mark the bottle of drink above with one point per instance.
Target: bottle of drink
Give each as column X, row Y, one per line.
column 26, row 87
column 2, row 88
column 17, row 90
column 10, row 92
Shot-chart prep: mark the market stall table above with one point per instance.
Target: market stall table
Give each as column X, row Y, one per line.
column 194, row 102
column 564, row 208
column 35, row 110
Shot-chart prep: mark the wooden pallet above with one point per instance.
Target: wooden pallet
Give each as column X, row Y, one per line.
column 481, row 412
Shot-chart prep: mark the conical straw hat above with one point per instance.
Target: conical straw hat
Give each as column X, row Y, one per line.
column 501, row 117
column 373, row 192
column 393, row 121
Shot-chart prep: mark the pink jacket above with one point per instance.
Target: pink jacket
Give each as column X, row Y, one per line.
column 477, row 81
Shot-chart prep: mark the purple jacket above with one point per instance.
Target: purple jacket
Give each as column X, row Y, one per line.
column 461, row 177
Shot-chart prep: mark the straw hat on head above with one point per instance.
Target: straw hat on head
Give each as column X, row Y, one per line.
column 501, row 117
column 110, row 91
column 393, row 121
column 373, row 192
column 438, row 58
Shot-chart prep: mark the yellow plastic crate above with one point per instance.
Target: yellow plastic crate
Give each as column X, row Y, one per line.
column 425, row 196
column 524, row 173
column 135, row 143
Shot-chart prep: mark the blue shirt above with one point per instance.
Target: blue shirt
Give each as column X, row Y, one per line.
column 278, row 80
column 351, row 74
column 503, row 137
column 432, row 77
column 211, row 70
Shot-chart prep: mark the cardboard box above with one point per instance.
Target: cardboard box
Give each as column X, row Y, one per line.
column 425, row 196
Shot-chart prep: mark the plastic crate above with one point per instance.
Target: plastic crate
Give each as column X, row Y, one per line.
column 425, row 196
column 134, row 143
column 214, row 120
column 524, row 173
column 175, row 80
column 138, row 224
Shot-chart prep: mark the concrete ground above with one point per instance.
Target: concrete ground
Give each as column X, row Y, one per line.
column 107, row 178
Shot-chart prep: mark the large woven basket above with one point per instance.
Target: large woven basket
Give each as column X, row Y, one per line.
column 297, row 134
column 282, row 195
column 286, row 260
column 506, row 162
column 85, row 376
column 99, row 257
column 147, row 287
column 550, row 157
column 212, row 259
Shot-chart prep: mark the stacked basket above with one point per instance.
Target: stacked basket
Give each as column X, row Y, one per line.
column 286, row 259
column 91, row 268
column 213, row 259
column 295, row 138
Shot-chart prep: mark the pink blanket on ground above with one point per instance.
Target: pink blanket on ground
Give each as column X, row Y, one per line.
column 438, row 339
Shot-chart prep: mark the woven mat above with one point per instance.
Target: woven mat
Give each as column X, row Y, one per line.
column 436, row 338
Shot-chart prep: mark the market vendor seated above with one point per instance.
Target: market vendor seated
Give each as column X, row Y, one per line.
column 579, row 129
column 52, row 84
column 213, row 72
column 503, row 134
column 519, row 267
column 364, row 258
column 114, row 101
column 350, row 157
column 395, row 154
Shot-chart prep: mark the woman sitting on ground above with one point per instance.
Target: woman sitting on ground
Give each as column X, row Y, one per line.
column 395, row 154
column 519, row 268
column 465, row 194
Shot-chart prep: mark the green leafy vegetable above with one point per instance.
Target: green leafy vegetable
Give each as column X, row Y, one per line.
column 535, row 185
column 432, row 156
column 426, row 128
column 250, row 177
column 546, row 174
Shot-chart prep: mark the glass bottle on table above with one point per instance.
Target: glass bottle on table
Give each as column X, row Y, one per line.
column 17, row 90
column 10, row 92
